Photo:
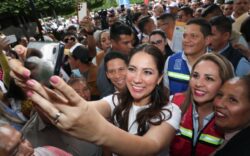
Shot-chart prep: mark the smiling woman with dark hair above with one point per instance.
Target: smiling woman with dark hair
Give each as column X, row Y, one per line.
column 144, row 123
column 232, row 115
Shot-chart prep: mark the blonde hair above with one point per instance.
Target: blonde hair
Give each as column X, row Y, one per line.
column 226, row 71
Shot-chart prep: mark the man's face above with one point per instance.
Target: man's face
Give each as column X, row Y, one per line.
column 116, row 73
column 111, row 20
column 167, row 27
column 124, row 44
column 143, row 10
column 194, row 42
column 228, row 9
column 194, row 5
column 158, row 10
column 241, row 6
column 12, row 143
column 182, row 17
column 218, row 39
column 150, row 26
column 98, row 23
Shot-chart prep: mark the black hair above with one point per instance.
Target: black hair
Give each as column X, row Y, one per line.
column 187, row 10
column 136, row 16
column 158, row 32
column 72, row 27
column 222, row 24
column 69, row 34
column 81, row 53
column 205, row 26
column 211, row 9
column 119, row 28
column 114, row 55
column 158, row 99
column 166, row 17
column 142, row 22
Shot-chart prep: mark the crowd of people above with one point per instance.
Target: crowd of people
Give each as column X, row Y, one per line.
column 168, row 78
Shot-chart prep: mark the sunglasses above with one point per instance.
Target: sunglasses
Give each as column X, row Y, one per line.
column 66, row 40
column 156, row 42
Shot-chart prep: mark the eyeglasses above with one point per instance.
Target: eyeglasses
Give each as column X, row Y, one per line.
column 66, row 40
column 156, row 42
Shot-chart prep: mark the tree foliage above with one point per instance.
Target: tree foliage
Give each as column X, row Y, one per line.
column 15, row 7
column 23, row 6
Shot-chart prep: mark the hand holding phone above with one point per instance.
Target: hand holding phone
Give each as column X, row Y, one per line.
column 87, row 25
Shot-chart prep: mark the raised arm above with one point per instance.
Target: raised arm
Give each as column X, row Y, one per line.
column 89, row 30
column 79, row 118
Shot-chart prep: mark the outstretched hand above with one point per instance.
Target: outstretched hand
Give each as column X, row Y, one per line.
column 65, row 108
column 87, row 25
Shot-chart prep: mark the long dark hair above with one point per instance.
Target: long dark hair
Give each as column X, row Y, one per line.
column 158, row 100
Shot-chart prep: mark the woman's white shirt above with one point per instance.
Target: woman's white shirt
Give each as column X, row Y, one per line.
column 174, row 121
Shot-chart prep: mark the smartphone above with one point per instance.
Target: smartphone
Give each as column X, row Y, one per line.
column 49, row 63
column 82, row 10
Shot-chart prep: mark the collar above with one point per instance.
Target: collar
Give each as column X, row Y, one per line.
column 224, row 49
column 184, row 57
column 230, row 135
column 232, row 16
column 196, row 115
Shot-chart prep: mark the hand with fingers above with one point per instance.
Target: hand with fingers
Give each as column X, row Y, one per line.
column 66, row 109
column 18, row 72
column 87, row 25
column 62, row 106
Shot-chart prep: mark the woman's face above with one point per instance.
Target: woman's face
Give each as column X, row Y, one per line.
column 82, row 89
column 105, row 41
column 158, row 41
column 232, row 106
column 142, row 77
column 205, row 82
column 69, row 41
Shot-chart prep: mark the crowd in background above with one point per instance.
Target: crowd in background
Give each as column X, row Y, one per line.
column 175, row 74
